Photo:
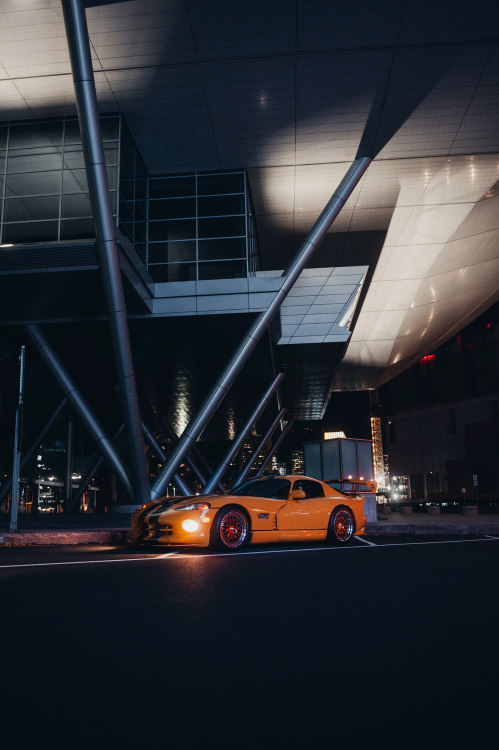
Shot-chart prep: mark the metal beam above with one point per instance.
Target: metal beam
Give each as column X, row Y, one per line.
column 249, row 465
column 239, row 440
column 34, row 445
column 159, row 450
column 188, row 459
column 79, row 404
column 195, row 428
column 68, row 485
column 93, row 151
column 274, row 448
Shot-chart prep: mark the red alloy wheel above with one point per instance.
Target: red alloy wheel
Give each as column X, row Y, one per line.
column 233, row 529
column 342, row 525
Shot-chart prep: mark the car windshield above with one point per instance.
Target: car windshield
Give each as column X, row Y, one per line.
column 271, row 487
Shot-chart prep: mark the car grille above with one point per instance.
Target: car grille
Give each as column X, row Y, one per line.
column 163, row 528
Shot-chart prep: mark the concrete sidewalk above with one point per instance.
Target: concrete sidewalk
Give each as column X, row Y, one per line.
column 114, row 528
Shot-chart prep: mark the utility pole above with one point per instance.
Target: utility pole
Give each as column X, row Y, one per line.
column 14, row 505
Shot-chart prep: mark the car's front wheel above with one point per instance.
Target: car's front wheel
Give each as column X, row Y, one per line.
column 341, row 526
column 230, row 529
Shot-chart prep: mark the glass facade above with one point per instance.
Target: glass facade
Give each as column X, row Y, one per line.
column 187, row 227
column 43, row 180
column 200, row 226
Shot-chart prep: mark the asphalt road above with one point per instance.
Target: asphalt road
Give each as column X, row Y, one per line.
column 392, row 645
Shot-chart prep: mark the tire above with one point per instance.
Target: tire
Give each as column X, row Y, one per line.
column 341, row 526
column 230, row 530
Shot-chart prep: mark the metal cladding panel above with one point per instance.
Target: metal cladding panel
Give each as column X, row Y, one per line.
column 312, row 458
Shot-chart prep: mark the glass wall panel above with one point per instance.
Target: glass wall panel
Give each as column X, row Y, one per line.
column 35, row 231
column 76, row 205
column 173, row 272
column 172, row 187
column 28, row 183
column 34, row 160
column 162, row 252
column 46, row 193
column 232, row 269
column 77, row 229
column 223, row 226
column 35, row 134
column 29, row 209
column 182, row 229
column 216, row 184
column 235, row 247
column 172, row 208
column 221, row 205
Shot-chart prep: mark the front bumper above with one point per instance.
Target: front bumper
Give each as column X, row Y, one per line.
column 166, row 529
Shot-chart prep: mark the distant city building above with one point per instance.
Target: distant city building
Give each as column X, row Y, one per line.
column 297, row 463
column 378, row 457
column 278, row 467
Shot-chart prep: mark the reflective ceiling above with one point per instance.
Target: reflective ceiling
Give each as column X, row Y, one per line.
column 293, row 90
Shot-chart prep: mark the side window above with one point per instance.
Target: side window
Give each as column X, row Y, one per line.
column 311, row 489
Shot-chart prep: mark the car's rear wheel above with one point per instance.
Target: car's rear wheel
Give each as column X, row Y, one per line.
column 341, row 526
column 230, row 529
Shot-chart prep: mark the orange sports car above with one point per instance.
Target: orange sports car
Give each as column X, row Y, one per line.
column 267, row 509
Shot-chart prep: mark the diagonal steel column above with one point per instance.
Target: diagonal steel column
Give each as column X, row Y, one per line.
column 75, row 502
column 80, row 406
column 34, row 445
column 239, row 440
column 195, row 428
column 86, row 102
column 68, row 484
column 247, row 468
column 188, row 460
column 274, row 448
column 159, row 450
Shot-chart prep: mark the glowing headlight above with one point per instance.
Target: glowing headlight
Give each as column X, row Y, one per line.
column 190, row 525
column 195, row 506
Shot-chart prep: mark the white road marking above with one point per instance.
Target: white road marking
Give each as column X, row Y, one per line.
column 80, row 562
column 365, row 541
column 182, row 556
column 488, row 536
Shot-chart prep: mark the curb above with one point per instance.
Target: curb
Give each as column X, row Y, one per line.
column 40, row 538
column 461, row 529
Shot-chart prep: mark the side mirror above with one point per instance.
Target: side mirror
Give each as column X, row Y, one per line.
column 297, row 495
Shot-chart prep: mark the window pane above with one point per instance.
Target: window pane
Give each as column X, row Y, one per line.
column 3, row 137
column 174, row 208
column 214, row 184
column 77, row 229
column 173, row 272
column 43, row 183
column 220, row 205
column 73, row 158
column 227, row 226
column 35, row 231
column 127, row 189
column 126, row 211
column 172, row 187
column 26, row 209
column 162, row 252
column 184, row 229
column 74, row 181
column 76, row 205
column 234, row 269
column 35, row 135
column 109, row 128
column 72, row 132
column 219, row 249
column 39, row 160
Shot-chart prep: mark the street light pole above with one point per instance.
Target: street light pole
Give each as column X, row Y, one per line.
column 14, row 505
